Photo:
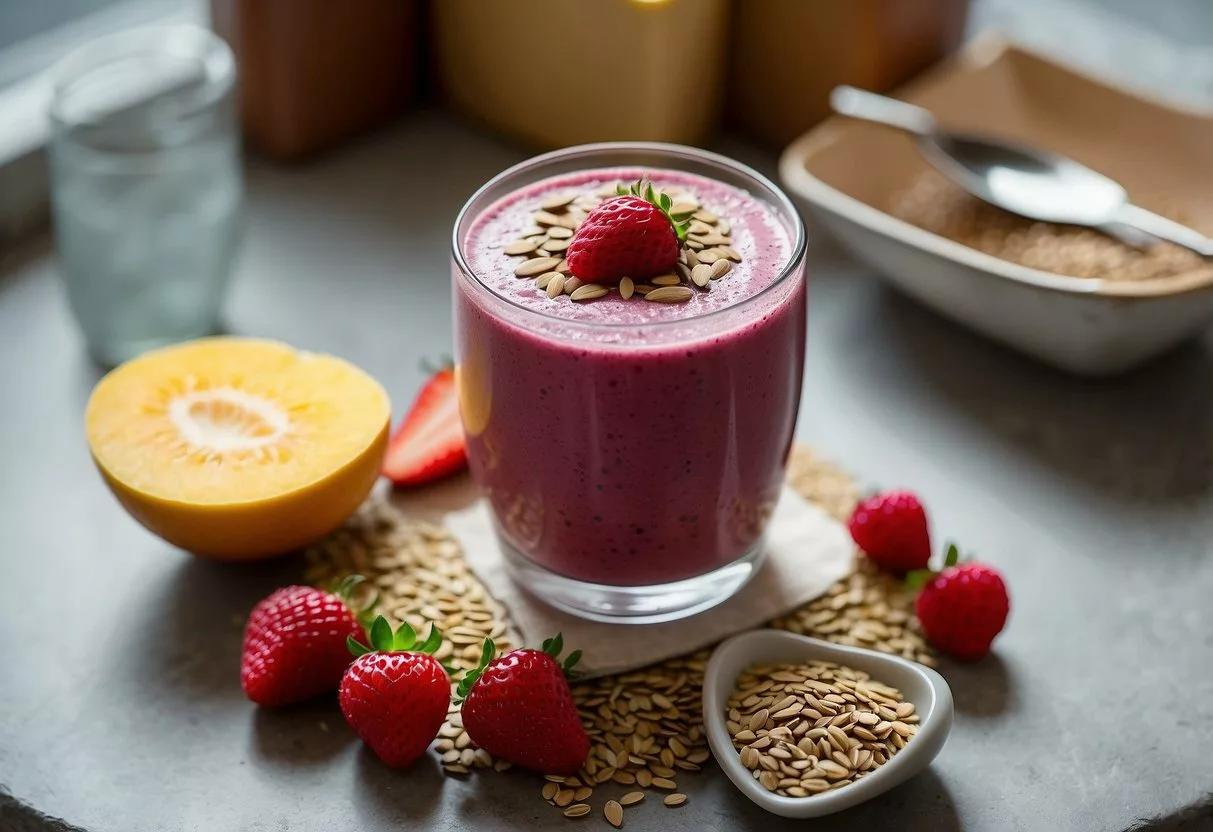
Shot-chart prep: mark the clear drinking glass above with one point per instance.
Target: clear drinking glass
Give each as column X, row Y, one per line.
column 146, row 186
column 631, row 465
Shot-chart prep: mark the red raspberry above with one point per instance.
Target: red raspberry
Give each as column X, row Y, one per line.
column 891, row 529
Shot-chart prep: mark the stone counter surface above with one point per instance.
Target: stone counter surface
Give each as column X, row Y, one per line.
column 120, row 707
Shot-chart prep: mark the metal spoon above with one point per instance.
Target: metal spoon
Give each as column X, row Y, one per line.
column 1023, row 180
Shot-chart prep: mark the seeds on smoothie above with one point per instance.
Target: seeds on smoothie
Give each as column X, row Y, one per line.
column 719, row 269
column 804, row 725
column 643, row 289
column 542, row 281
column 537, row 266
column 590, row 291
column 519, row 247
column 558, row 216
column 556, row 286
column 701, row 275
column 556, row 202
column 710, row 255
column 670, row 294
column 626, row 287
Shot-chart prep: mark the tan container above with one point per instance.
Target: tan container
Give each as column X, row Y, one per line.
column 553, row 73
column 315, row 73
column 786, row 55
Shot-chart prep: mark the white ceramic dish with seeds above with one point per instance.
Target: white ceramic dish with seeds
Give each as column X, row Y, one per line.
column 926, row 689
column 849, row 175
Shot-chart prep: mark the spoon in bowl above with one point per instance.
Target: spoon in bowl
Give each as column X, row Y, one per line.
column 1024, row 180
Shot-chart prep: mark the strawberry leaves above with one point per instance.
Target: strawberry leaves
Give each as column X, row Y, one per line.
column 553, row 647
column 404, row 639
column 487, row 653
column 344, row 589
column 919, row 578
column 644, row 189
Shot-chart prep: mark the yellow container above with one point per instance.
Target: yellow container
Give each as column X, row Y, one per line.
column 553, row 73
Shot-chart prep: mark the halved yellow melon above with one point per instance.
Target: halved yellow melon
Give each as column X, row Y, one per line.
column 238, row 448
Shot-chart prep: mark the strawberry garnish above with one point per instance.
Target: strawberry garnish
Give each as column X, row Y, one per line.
column 395, row 695
column 961, row 608
column 630, row 235
column 518, row 707
column 891, row 529
column 429, row 443
column 295, row 643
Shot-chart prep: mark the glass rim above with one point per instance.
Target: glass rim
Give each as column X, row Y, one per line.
column 784, row 205
column 158, row 39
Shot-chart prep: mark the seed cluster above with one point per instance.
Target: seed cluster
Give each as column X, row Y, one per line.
column 933, row 203
column 706, row 255
column 645, row 726
column 804, row 729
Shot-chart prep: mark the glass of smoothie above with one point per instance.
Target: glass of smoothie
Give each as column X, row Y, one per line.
column 630, row 432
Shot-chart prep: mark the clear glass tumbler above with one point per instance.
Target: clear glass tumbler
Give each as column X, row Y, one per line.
column 146, row 186
column 632, row 458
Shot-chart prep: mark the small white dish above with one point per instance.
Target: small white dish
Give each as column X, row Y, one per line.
column 924, row 687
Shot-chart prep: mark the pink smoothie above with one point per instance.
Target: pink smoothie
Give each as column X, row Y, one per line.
column 627, row 442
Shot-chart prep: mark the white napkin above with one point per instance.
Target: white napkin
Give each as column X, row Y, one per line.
column 807, row 551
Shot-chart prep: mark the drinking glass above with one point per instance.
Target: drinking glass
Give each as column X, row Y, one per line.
column 146, row 186
column 631, row 465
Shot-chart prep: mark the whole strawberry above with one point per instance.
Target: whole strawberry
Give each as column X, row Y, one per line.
column 630, row 235
column 395, row 695
column 295, row 643
column 891, row 529
column 519, row 708
column 963, row 608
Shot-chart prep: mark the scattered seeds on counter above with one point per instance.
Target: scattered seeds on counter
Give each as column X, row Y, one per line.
column 802, row 729
column 646, row 723
column 613, row 813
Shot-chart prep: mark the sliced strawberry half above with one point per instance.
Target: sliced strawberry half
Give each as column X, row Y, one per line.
column 429, row 443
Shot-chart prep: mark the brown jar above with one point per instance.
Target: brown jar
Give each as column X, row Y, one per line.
column 786, row 55
column 314, row 73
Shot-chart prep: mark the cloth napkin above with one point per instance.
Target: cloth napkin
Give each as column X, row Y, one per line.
column 807, row 551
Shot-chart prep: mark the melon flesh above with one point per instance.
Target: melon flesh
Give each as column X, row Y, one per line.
column 238, row 447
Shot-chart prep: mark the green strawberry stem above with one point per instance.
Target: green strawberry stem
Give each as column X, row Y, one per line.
column 644, row 189
column 919, row 578
column 404, row 639
column 445, row 362
column 552, row 646
column 344, row 589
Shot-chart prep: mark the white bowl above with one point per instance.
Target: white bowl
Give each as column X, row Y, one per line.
column 846, row 173
column 924, row 687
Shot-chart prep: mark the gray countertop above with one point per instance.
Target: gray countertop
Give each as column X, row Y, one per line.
column 120, row 707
